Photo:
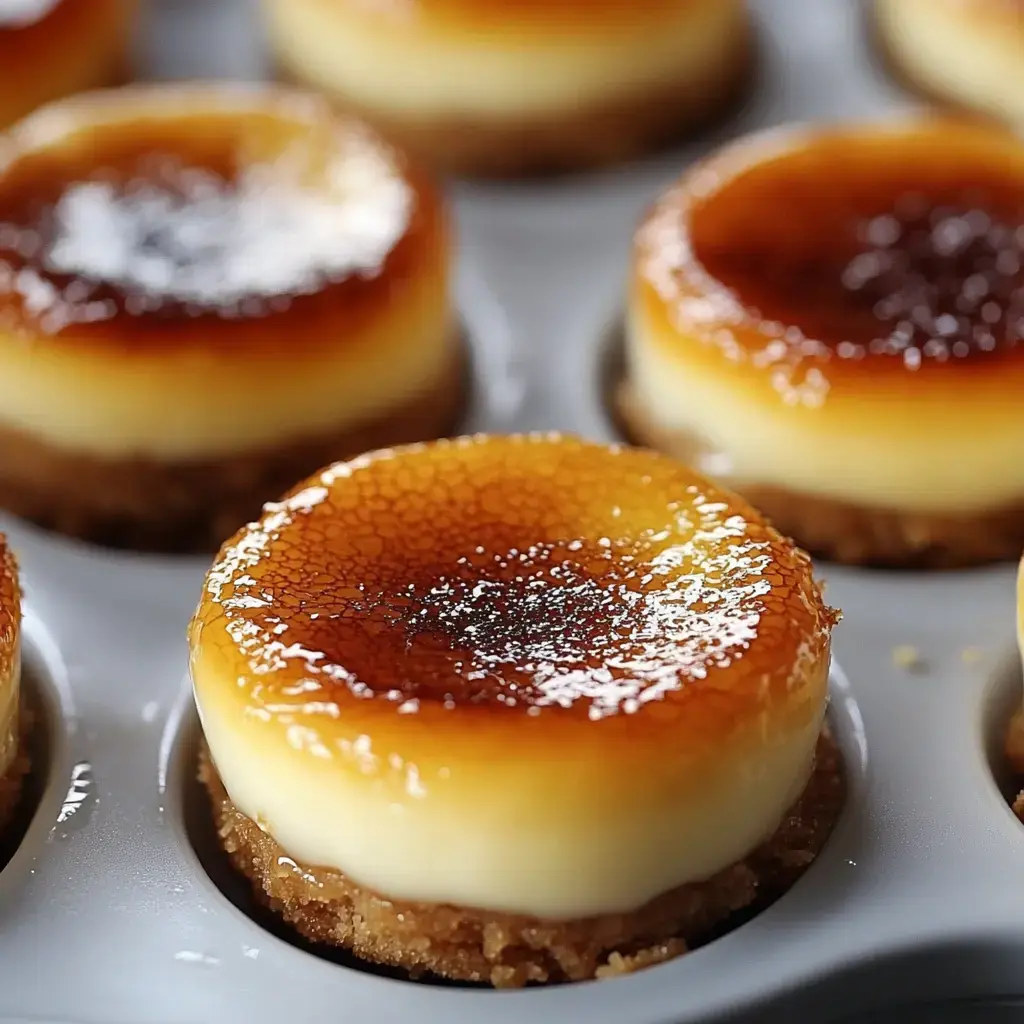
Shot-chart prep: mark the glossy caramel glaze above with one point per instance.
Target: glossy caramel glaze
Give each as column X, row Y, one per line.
column 273, row 223
column 10, row 614
column 533, row 578
column 847, row 261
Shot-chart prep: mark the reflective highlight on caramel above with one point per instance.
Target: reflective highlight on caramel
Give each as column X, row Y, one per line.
column 520, row 575
column 142, row 231
column 857, row 255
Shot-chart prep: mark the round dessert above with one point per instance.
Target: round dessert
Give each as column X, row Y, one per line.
column 206, row 293
column 13, row 760
column 966, row 52
column 514, row 709
column 51, row 48
column 833, row 322
column 555, row 85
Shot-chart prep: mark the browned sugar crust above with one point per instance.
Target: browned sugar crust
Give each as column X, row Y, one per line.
column 143, row 504
column 507, row 950
column 853, row 534
column 571, row 140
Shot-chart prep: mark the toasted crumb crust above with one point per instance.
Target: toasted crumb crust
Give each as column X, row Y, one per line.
column 145, row 504
column 509, row 951
column 853, row 534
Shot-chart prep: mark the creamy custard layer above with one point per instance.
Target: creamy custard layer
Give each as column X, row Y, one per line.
column 416, row 64
column 879, row 451
column 196, row 271
column 531, row 675
column 968, row 51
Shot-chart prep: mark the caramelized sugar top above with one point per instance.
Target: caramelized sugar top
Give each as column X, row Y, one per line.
column 10, row 612
column 130, row 230
column 530, row 573
column 848, row 253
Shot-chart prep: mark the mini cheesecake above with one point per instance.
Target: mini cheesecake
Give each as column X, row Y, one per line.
column 833, row 322
column 503, row 87
column 207, row 292
column 51, row 48
column 514, row 709
column 13, row 759
column 966, row 52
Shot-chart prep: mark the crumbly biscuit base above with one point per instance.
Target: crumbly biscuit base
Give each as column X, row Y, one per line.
column 509, row 950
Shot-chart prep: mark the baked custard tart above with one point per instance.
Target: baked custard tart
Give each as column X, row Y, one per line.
column 206, row 293
column 832, row 322
column 514, row 709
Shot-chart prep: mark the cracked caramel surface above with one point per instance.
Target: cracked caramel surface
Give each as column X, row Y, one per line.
column 554, row 581
column 823, row 265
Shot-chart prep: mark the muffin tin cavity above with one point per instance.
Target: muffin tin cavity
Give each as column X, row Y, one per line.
column 189, row 801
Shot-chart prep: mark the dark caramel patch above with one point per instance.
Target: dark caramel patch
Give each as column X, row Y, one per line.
column 147, row 231
column 510, row 573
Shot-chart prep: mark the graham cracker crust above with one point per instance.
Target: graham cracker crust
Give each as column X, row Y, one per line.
column 510, row 951
column 853, row 534
column 582, row 139
column 183, row 507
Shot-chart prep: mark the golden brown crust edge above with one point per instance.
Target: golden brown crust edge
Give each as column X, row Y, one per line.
column 851, row 534
column 575, row 141
column 192, row 507
column 509, row 951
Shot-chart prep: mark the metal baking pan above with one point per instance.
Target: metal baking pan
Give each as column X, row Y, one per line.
column 114, row 908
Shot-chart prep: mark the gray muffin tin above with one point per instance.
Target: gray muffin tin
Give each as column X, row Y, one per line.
column 107, row 910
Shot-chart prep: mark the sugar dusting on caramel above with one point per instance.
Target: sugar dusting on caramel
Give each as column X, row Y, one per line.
column 157, row 229
column 809, row 259
column 532, row 573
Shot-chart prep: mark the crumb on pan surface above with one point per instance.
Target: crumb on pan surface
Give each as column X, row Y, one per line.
column 507, row 950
